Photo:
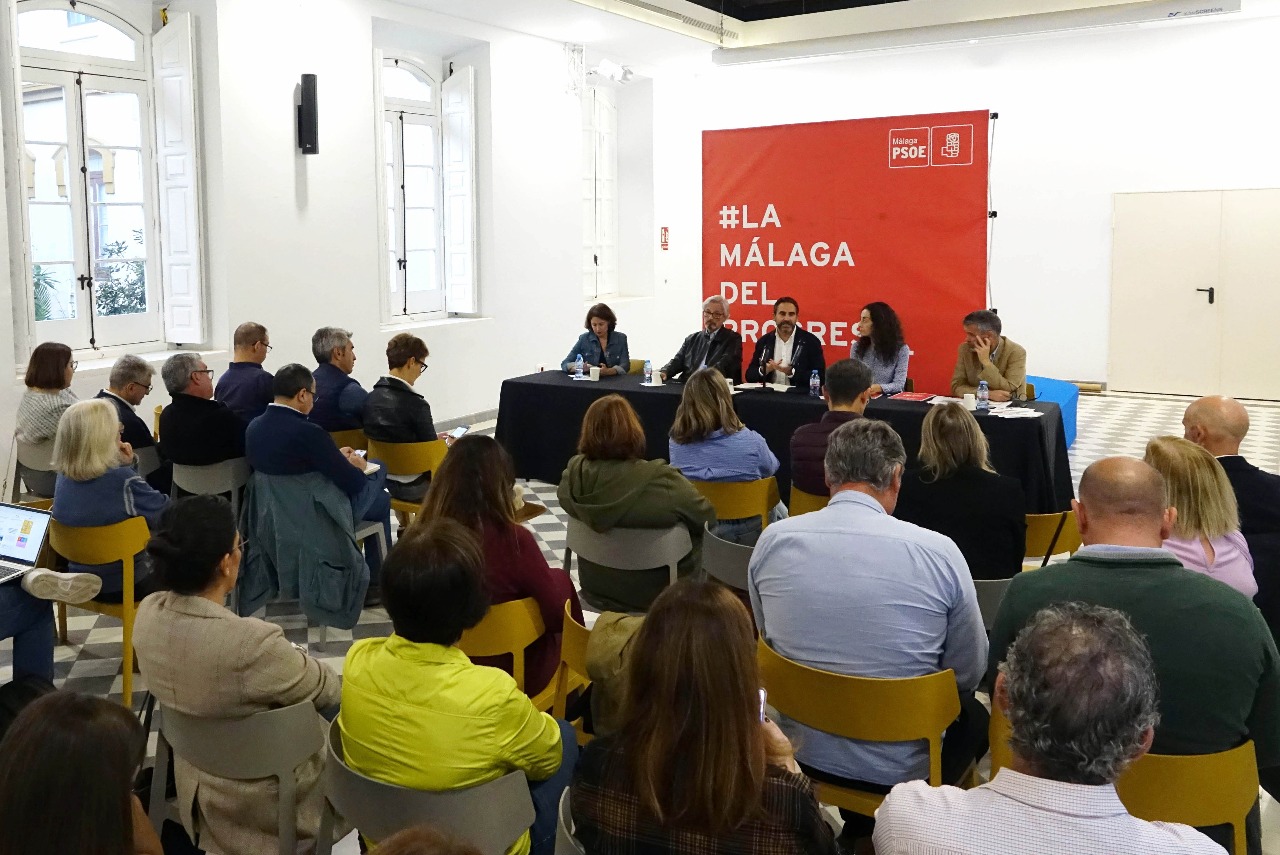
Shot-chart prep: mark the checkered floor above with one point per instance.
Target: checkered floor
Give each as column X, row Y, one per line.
column 1113, row 424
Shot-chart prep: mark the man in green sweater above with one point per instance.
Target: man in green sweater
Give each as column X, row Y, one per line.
column 1215, row 660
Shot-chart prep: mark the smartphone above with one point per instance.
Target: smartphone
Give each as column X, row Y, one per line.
column 763, row 696
column 459, row 432
column 361, row 452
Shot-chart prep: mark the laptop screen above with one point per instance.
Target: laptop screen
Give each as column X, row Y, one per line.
column 22, row 533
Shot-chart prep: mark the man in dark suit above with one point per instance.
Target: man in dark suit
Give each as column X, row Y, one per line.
column 846, row 390
column 128, row 384
column 714, row 346
column 196, row 430
column 1219, row 424
column 790, row 354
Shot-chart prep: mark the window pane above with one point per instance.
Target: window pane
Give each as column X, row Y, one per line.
column 419, row 187
column 44, row 112
column 44, row 169
column 115, row 175
column 51, row 232
column 54, row 288
column 50, row 29
column 419, row 145
column 118, row 230
column 393, row 276
column 400, row 82
column 388, row 143
column 112, row 118
column 120, row 287
column 422, row 274
column 420, row 228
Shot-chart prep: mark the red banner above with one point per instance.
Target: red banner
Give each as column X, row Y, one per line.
column 841, row 214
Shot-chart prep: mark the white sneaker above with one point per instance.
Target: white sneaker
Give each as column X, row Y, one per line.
column 67, row 587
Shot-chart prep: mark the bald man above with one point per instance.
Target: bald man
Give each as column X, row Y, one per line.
column 1214, row 657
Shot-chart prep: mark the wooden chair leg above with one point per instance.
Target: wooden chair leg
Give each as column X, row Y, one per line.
column 62, row 623
column 127, row 664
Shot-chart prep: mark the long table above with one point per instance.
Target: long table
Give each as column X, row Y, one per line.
column 540, row 415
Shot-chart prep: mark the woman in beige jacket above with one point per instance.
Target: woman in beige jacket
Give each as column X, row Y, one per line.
column 199, row 658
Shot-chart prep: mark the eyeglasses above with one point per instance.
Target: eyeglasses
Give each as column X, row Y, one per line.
column 267, row 345
column 147, row 387
column 74, row 365
column 422, row 365
column 206, row 371
column 719, row 316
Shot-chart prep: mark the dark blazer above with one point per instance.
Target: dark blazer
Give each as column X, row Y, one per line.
column 809, row 449
column 199, row 432
column 245, row 387
column 1258, row 495
column 984, row 513
column 394, row 412
column 339, row 399
column 806, row 357
column 723, row 353
column 136, row 432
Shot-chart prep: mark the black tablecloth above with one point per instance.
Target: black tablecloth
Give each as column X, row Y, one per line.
column 540, row 415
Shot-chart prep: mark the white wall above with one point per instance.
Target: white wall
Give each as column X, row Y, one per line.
column 1182, row 107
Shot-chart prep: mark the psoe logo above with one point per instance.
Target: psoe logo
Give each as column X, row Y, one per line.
column 951, row 145
column 908, row 147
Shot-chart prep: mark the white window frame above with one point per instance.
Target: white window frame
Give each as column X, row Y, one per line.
column 599, row 193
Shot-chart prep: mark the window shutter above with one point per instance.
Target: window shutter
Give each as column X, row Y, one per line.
column 181, row 270
column 459, row 170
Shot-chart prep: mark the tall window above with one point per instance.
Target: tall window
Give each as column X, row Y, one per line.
column 599, row 193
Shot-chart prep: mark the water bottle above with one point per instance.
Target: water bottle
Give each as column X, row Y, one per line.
column 984, row 395
column 648, row 373
column 815, row 385
column 577, row 368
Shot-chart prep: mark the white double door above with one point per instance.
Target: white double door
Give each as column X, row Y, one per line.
column 1195, row 293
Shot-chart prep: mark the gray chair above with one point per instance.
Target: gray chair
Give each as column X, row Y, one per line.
column 268, row 744
column 628, row 548
column 148, row 460
column 990, row 593
column 34, row 468
column 229, row 476
column 489, row 816
column 724, row 561
column 566, row 843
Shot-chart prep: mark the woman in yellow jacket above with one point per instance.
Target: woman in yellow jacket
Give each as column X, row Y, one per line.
column 418, row 714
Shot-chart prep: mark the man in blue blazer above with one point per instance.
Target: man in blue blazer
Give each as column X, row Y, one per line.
column 790, row 354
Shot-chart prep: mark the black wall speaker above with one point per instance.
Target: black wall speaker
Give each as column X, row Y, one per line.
column 308, row 119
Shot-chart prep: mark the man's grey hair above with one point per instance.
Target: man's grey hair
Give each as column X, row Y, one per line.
column 864, row 451
column 130, row 369
column 177, row 370
column 325, row 340
column 985, row 320
column 716, row 298
column 1082, row 693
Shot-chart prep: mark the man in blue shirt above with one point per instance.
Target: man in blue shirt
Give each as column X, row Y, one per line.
column 339, row 403
column 283, row 441
column 245, row 387
column 851, row 589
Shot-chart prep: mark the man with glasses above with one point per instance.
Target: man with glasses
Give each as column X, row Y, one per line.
column 714, row 346
column 396, row 412
column 128, row 384
column 196, row 430
column 245, row 387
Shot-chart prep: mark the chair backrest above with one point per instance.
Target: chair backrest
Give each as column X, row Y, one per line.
column 508, row 628
column 100, row 544
column 573, row 659
column 148, row 460
column 735, row 500
column 990, row 593
column 724, row 561
column 566, row 843
column 803, row 503
column 875, row 709
column 353, row 438
column 628, row 548
column 212, row 480
column 409, row 458
column 1051, row 534
column 489, row 816
column 636, row 367
column 34, row 468
column 35, row 455
column 908, row 385
column 1031, row 391
column 155, row 422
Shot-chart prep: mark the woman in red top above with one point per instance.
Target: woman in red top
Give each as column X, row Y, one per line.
column 475, row 486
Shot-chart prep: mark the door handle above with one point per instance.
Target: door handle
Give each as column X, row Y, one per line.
column 1208, row 291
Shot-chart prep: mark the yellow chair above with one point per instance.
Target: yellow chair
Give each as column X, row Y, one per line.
column 508, row 629
column 155, row 423
column 637, row 367
column 803, row 503
column 408, row 458
column 106, row 544
column 870, row 708
column 572, row 674
column 1051, row 534
column 1030, row 391
column 998, row 736
column 349, row 439
column 908, row 385
column 735, row 500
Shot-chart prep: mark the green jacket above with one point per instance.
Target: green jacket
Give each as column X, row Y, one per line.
column 1214, row 657
column 607, row 494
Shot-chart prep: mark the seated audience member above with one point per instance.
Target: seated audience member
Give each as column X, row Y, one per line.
column 1206, row 531
column 97, row 485
column 339, row 403
column 245, row 386
column 186, row 637
column 1219, row 425
column 475, row 488
column 283, row 441
column 710, row 443
column 880, row 347
column 846, row 392
column 1080, row 695
column 987, row 355
column 852, row 590
column 1215, row 660
column 196, row 430
column 129, row 383
column 608, row 484
column 956, row 492
column 693, row 767
column 396, row 412
column 417, row 713
column 25, row 615
column 424, row 840
column 714, row 346
column 89, row 750
column 601, row 345
column 48, row 381
column 790, row 354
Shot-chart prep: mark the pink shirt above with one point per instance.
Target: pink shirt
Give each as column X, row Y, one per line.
column 1232, row 562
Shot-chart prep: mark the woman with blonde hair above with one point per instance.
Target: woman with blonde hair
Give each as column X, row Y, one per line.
column 695, row 762
column 956, row 492
column 1206, row 534
column 97, row 485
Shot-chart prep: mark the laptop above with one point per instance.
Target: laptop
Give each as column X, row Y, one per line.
column 23, row 532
